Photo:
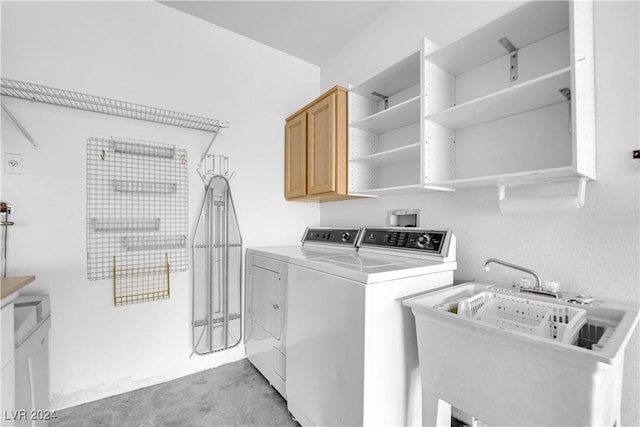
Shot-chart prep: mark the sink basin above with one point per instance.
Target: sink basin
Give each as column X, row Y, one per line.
column 513, row 358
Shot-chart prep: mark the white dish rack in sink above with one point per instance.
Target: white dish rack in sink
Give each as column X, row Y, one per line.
column 512, row 358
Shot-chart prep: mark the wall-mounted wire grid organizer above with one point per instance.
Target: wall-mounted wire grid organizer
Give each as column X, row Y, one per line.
column 543, row 319
column 137, row 215
column 99, row 104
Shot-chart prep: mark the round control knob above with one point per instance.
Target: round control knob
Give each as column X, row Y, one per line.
column 345, row 237
column 423, row 240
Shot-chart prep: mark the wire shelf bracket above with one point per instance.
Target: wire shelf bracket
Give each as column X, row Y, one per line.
column 99, row 104
column 19, row 125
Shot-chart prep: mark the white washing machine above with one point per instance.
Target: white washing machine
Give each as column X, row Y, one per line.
column 351, row 352
column 267, row 286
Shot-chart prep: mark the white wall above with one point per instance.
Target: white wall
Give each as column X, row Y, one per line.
column 147, row 53
column 595, row 250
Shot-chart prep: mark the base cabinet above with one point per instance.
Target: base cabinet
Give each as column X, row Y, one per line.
column 316, row 150
column 265, row 325
column 8, row 371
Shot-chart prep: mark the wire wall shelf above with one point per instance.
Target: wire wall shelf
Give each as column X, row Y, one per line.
column 142, row 149
column 137, row 214
column 151, row 243
column 144, row 186
column 125, row 224
column 141, row 284
column 114, row 107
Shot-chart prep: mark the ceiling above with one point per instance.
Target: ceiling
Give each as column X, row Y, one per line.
column 310, row 30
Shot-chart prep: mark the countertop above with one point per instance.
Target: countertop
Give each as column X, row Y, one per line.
column 11, row 285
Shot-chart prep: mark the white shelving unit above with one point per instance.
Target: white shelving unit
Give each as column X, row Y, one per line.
column 496, row 129
column 484, row 117
column 384, row 140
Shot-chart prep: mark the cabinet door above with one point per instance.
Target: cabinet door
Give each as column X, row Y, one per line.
column 321, row 133
column 266, row 299
column 295, row 170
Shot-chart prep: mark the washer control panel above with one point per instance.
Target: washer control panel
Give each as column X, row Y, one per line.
column 336, row 236
column 427, row 241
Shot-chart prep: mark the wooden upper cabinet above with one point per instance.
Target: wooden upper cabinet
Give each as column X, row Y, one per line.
column 321, row 175
column 295, row 176
column 316, row 150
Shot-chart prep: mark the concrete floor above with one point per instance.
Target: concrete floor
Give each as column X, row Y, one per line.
column 231, row 395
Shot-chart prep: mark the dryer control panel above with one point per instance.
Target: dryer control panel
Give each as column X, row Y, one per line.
column 336, row 236
column 425, row 241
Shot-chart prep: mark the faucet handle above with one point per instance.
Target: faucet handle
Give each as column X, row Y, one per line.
column 551, row 286
column 6, row 208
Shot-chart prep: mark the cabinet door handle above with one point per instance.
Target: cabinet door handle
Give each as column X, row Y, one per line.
column 276, row 306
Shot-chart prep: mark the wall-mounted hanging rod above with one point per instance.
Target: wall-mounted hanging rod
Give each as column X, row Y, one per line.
column 17, row 122
column 543, row 204
column 114, row 107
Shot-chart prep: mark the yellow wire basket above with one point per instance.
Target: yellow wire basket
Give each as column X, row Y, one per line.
column 141, row 284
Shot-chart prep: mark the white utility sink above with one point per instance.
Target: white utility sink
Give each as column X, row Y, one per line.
column 512, row 358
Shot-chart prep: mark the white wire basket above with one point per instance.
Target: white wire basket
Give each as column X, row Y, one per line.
column 543, row 319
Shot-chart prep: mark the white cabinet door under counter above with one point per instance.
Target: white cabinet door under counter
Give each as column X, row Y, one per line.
column 9, row 287
column 26, row 321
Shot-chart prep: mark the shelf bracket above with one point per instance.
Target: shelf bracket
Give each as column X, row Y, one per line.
column 566, row 92
column 544, row 204
column 384, row 97
column 17, row 122
column 513, row 58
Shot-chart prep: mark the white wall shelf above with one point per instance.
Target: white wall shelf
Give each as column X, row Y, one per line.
column 395, row 117
column 542, row 176
column 529, row 95
column 400, row 189
column 396, row 155
column 522, row 26
column 401, row 75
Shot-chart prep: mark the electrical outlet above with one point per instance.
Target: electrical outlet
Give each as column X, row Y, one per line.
column 13, row 163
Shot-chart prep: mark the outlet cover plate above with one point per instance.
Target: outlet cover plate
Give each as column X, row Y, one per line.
column 13, row 163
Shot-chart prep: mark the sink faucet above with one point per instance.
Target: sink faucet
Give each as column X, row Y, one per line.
column 538, row 286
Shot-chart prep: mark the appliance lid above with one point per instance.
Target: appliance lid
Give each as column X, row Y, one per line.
column 369, row 268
